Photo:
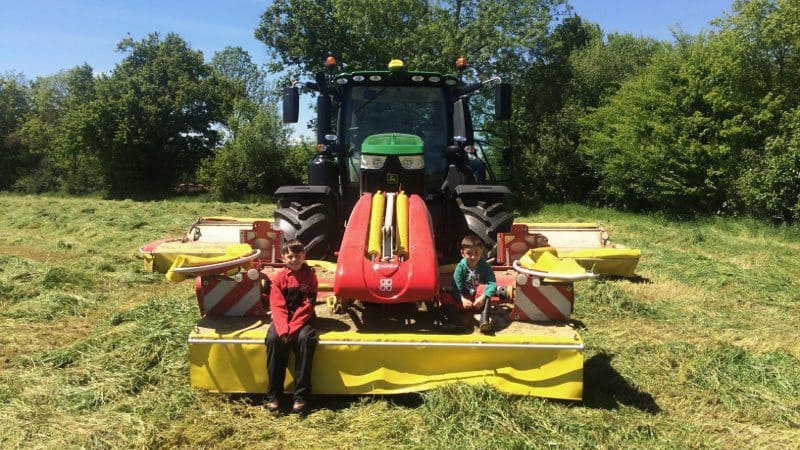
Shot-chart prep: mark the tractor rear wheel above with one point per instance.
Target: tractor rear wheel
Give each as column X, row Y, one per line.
column 310, row 220
column 485, row 216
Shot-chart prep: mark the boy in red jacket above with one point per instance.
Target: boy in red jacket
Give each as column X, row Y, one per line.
column 292, row 299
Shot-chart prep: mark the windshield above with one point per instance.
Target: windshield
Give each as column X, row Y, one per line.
column 418, row 110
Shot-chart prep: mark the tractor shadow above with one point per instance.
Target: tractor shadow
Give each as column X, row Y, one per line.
column 606, row 388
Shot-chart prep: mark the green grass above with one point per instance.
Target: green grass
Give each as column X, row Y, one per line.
column 699, row 352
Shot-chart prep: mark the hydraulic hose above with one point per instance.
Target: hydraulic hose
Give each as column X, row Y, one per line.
column 375, row 221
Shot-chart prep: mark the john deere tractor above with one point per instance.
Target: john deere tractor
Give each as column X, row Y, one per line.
column 394, row 130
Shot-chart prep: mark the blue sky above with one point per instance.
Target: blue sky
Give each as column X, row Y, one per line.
column 41, row 37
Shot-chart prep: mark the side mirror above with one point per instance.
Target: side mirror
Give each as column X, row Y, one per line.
column 291, row 104
column 462, row 123
column 502, row 102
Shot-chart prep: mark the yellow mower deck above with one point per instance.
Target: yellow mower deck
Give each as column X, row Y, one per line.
column 228, row 354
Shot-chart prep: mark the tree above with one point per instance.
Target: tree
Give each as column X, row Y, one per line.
column 13, row 107
column 236, row 65
column 710, row 125
column 255, row 159
column 499, row 35
column 156, row 115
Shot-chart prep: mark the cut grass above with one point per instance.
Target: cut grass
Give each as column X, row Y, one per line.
column 699, row 352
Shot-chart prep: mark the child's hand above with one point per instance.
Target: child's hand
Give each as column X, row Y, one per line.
column 466, row 303
column 479, row 301
column 286, row 338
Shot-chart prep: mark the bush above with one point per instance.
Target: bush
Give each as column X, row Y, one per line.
column 257, row 159
column 770, row 186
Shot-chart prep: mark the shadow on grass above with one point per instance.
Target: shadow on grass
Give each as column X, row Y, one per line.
column 605, row 388
column 636, row 279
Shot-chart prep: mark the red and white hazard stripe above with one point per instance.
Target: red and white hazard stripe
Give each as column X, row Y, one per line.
column 226, row 297
column 536, row 302
column 517, row 242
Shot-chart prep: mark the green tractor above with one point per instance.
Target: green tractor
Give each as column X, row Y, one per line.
column 394, row 130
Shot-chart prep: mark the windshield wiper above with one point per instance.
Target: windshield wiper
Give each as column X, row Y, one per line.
column 370, row 100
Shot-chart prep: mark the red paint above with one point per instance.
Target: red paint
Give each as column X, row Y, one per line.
column 415, row 279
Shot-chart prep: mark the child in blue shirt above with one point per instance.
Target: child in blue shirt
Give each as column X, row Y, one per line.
column 470, row 273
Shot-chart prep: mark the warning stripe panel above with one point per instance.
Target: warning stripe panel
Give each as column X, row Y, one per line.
column 549, row 302
column 221, row 297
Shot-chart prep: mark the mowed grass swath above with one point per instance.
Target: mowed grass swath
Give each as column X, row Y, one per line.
column 698, row 352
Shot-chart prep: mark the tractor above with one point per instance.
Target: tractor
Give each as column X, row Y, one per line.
column 390, row 131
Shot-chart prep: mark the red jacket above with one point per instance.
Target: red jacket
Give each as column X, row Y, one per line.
column 292, row 298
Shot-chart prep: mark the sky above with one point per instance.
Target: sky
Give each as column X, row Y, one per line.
column 41, row 37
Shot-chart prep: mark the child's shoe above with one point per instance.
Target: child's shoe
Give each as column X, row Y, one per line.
column 300, row 406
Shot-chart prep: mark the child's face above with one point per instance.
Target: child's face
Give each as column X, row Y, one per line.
column 472, row 255
column 294, row 260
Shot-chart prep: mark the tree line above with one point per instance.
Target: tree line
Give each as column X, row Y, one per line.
column 706, row 123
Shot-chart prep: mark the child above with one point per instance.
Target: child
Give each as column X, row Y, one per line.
column 471, row 272
column 292, row 299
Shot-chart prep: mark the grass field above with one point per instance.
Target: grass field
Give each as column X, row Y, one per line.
column 701, row 352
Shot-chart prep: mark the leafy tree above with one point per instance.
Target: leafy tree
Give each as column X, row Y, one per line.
column 710, row 125
column 236, row 65
column 428, row 35
column 770, row 187
column 652, row 146
column 156, row 115
column 575, row 71
column 74, row 153
column 14, row 105
column 255, row 157
column 38, row 171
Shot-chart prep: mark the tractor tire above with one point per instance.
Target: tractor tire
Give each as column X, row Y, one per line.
column 310, row 220
column 485, row 216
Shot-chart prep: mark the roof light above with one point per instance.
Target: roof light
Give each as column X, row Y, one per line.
column 450, row 82
column 341, row 81
column 396, row 65
column 417, row 78
column 461, row 63
column 434, row 79
column 374, row 78
column 358, row 78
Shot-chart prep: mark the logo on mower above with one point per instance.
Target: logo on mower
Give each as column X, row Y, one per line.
column 392, row 178
column 385, row 285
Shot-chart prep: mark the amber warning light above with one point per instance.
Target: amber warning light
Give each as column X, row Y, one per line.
column 330, row 62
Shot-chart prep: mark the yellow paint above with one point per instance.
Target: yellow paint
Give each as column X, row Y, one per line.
column 232, row 252
column 402, row 224
column 560, row 224
column 607, row 261
column 352, row 366
column 375, row 222
column 325, row 265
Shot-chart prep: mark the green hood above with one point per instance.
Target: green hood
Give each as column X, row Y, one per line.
column 392, row 144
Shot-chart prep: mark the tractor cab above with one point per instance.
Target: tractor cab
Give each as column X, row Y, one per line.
column 406, row 107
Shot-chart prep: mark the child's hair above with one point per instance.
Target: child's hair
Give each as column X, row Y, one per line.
column 471, row 241
column 293, row 246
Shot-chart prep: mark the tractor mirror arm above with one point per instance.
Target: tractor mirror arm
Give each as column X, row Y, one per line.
column 306, row 85
column 472, row 87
